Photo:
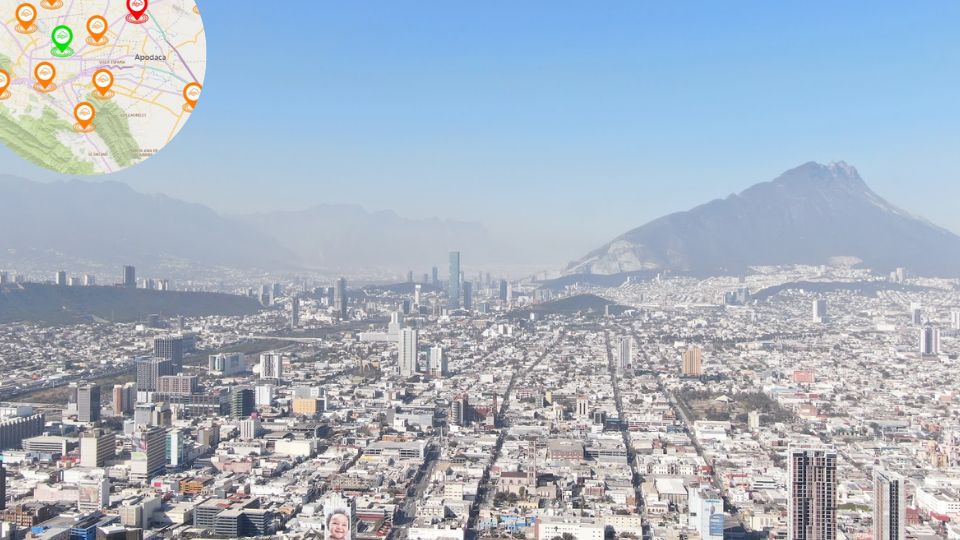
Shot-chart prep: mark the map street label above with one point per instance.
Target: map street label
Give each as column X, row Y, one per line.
column 26, row 14
column 97, row 27
column 85, row 113
column 62, row 38
column 45, row 74
column 103, row 81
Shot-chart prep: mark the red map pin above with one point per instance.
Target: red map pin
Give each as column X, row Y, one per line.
column 137, row 8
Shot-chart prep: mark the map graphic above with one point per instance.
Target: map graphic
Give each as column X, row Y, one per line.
column 95, row 86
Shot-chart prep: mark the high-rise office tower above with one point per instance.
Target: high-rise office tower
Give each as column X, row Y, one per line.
column 889, row 506
column 460, row 410
column 929, row 340
column 955, row 319
column 149, row 371
column 416, row 294
column 916, row 313
column 129, row 397
column 97, row 446
column 467, row 295
column 340, row 298
column 503, row 290
column 170, row 347
column 436, row 276
column 180, row 385
column 625, row 348
column 820, row 310
column 396, row 323
column 693, row 362
column 89, row 280
column 175, row 448
column 271, row 366
column 128, row 277
column 410, row 276
column 242, row 403
column 583, row 406
column 453, row 287
column 88, row 403
column 118, row 396
column 436, row 363
column 266, row 297
column 124, row 398
column 263, row 395
column 330, row 295
column 3, row 487
column 61, row 278
column 294, row 313
column 145, row 414
column 811, row 494
column 407, row 351
column 149, row 452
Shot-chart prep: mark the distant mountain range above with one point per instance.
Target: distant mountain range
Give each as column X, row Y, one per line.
column 813, row 214
column 108, row 223
column 75, row 224
column 338, row 236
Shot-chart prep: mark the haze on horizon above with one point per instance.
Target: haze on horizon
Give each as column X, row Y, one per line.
column 571, row 123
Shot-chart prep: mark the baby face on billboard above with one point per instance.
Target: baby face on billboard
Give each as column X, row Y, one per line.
column 338, row 526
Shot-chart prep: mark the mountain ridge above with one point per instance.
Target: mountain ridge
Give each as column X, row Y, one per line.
column 111, row 223
column 86, row 225
column 810, row 214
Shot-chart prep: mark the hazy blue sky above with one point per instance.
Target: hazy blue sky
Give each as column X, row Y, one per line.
column 580, row 118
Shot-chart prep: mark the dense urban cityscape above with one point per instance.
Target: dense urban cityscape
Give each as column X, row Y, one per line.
column 801, row 403
column 434, row 270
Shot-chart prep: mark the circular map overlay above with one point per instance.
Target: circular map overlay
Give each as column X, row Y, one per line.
column 95, row 86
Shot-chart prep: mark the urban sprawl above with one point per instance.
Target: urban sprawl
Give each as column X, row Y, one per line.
column 798, row 403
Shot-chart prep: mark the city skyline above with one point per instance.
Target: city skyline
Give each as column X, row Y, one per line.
column 657, row 407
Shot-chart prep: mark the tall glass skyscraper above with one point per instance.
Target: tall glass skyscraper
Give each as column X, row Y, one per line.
column 340, row 300
column 812, row 494
column 889, row 506
column 171, row 348
column 453, row 288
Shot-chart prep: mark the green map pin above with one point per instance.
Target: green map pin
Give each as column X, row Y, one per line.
column 62, row 38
